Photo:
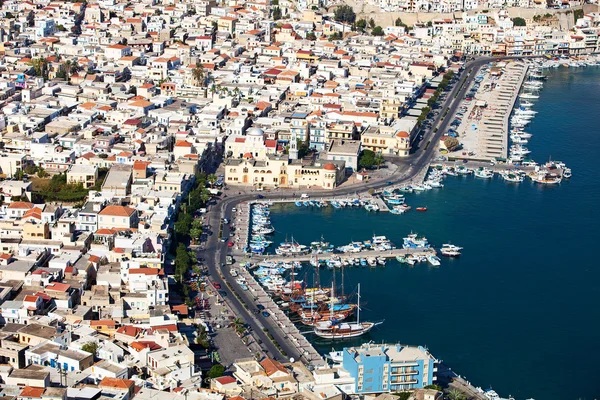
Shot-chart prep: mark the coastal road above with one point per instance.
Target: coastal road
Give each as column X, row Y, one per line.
column 216, row 251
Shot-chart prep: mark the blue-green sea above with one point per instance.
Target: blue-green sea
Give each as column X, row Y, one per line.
column 519, row 310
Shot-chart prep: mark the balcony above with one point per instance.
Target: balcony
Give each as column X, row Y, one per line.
column 406, row 382
column 405, row 372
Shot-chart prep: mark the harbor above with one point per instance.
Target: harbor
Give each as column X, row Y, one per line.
column 483, row 122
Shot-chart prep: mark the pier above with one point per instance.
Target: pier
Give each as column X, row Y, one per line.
column 366, row 253
column 484, row 129
column 282, row 322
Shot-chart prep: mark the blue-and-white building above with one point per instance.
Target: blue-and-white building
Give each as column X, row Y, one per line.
column 380, row 368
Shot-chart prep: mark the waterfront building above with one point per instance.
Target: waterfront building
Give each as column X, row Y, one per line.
column 344, row 150
column 389, row 368
column 275, row 171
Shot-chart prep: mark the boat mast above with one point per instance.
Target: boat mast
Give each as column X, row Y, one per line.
column 342, row 297
column 358, row 307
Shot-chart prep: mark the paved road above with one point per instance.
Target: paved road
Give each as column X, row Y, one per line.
column 216, row 251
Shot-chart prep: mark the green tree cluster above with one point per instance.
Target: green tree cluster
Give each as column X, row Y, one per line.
column 216, row 371
column 518, row 21
column 344, row 13
column 183, row 262
column 369, row 159
column 276, row 13
column 377, row 31
column 451, row 143
column 90, row 347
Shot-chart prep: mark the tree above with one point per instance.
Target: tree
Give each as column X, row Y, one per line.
column 276, row 13
column 183, row 224
column 182, row 261
column 196, row 230
column 90, row 347
column 451, row 143
column 344, row 13
column 377, row 31
column 455, row 394
column 372, row 23
column 398, row 22
column 40, row 67
column 369, row 159
column 310, row 36
column 212, row 179
column 198, row 74
column 30, row 18
column 216, row 371
column 518, row 21
column 361, row 24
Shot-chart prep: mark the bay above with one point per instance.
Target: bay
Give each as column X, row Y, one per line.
column 519, row 310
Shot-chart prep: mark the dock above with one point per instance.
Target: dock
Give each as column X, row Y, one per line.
column 366, row 253
column 282, row 321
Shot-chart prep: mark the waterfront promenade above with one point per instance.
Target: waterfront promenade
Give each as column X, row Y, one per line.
column 363, row 254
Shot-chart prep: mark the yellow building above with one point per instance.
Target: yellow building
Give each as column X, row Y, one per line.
column 279, row 171
column 390, row 108
column 386, row 140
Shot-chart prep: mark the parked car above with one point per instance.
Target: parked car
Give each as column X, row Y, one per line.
column 217, row 285
column 266, row 314
column 260, row 307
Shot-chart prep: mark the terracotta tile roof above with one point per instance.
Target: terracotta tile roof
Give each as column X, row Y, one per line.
column 272, row 366
column 119, row 211
column 20, row 205
column 129, row 330
column 116, row 383
column 141, row 345
column 224, row 380
column 33, row 391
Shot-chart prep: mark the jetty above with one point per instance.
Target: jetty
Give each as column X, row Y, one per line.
column 282, row 321
column 424, row 251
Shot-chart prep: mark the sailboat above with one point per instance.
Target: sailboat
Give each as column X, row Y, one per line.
column 333, row 329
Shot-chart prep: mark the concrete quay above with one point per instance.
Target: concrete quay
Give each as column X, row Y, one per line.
column 484, row 129
column 327, row 256
column 287, row 329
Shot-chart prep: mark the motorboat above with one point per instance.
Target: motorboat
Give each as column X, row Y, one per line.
column 450, row 250
column 433, row 260
column 421, row 209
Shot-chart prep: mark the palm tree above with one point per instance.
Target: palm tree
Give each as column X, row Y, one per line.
column 70, row 67
column 238, row 326
column 212, row 179
column 40, row 65
column 455, row 394
column 198, row 75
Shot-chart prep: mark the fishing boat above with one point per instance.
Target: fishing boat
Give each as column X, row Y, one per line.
column 484, row 173
column 567, row 173
column 412, row 241
column 333, row 329
column 421, row 208
column 545, row 178
column 511, row 177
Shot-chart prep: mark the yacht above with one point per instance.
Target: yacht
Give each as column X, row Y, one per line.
column 450, row 250
column 529, row 96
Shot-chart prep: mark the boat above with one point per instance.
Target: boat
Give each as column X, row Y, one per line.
column 545, row 178
column 567, row 173
column 412, row 241
column 529, row 96
column 334, row 329
column 298, row 204
column 421, row 208
column 511, row 177
column 450, row 250
column 433, row 260
column 484, row 173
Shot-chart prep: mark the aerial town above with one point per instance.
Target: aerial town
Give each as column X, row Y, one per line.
column 137, row 139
